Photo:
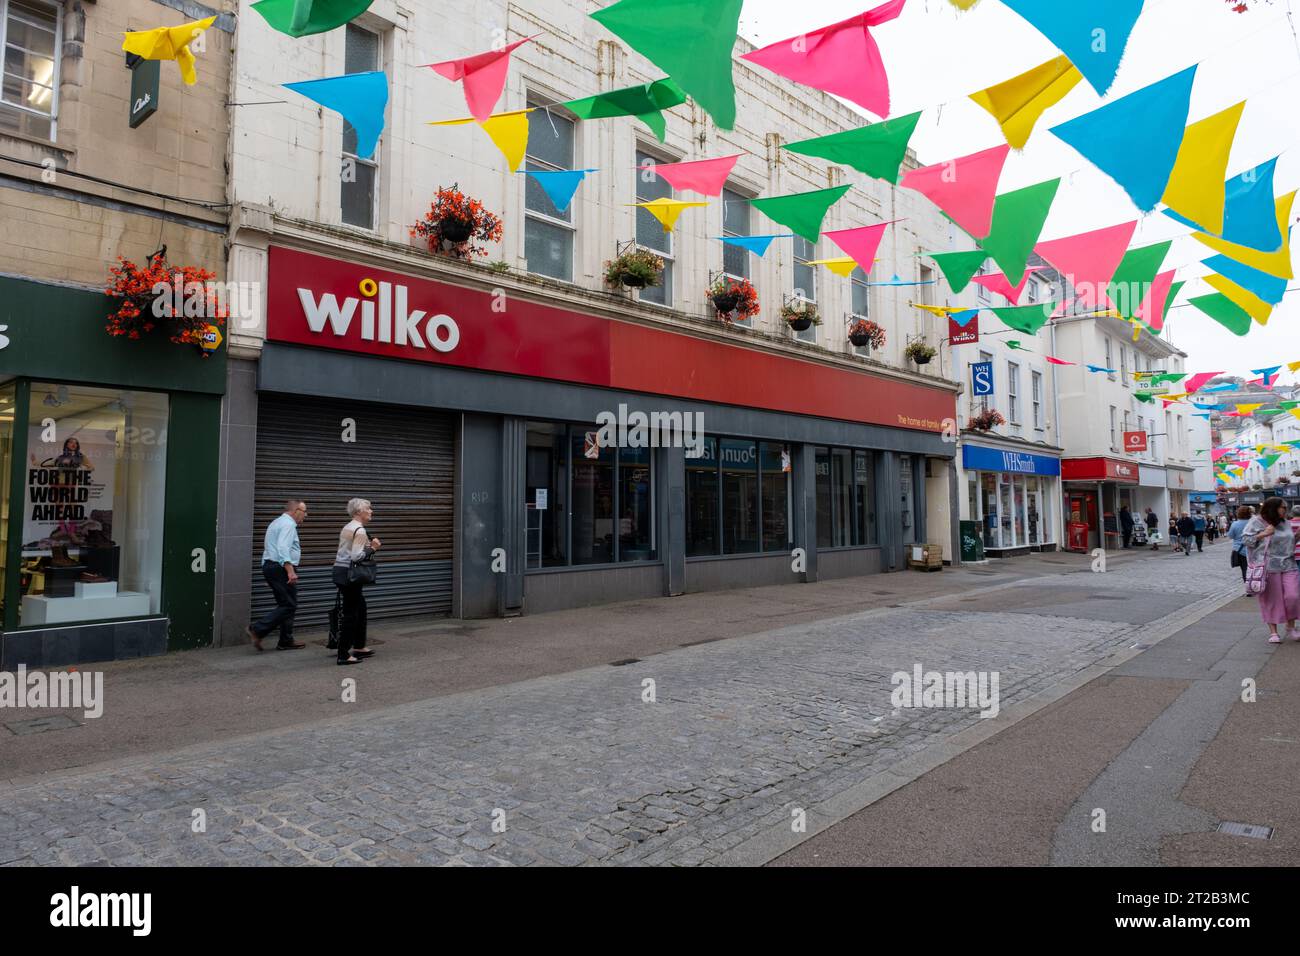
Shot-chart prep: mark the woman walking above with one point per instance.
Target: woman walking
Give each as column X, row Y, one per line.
column 1270, row 542
column 355, row 544
column 1237, row 558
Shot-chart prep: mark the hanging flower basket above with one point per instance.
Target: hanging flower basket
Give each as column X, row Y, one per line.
column 176, row 301
column 864, row 332
column 801, row 316
column 635, row 269
column 987, row 420
column 457, row 226
column 734, row 298
column 919, row 352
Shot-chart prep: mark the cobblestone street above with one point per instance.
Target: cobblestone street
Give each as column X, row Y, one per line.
column 581, row 769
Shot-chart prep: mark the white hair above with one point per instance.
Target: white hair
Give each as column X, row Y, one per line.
column 357, row 505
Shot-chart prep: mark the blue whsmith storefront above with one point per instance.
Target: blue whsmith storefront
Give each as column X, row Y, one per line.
column 1014, row 493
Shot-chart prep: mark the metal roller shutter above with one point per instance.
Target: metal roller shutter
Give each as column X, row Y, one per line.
column 402, row 461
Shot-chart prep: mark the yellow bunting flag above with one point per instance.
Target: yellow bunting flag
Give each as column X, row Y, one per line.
column 1258, row 309
column 1277, row 263
column 843, row 266
column 1294, row 412
column 1293, row 366
column 169, row 43
column 941, row 311
column 509, row 131
column 667, row 210
column 1247, row 409
column 963, row 4
column 1196, row 188
column 1018, row 103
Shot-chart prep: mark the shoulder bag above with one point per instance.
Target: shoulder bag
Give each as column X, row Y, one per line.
column 363, row 570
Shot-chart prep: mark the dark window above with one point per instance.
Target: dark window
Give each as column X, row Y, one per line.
column 547, row 484
column 702, row 501
column 635, row 505
column 361, row 54
column 593, row 499
column 864, row 499
column 740, row 514
column 846, row 507
column 776, row 497
column 738, row 498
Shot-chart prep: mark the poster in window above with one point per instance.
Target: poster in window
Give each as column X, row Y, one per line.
column 68, row 498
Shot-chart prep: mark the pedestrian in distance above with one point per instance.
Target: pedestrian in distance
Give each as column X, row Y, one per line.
column 281, row 555
column 356, row 550
column 1186, row 533
column 1237, row 558
column 1173, row 533
column 1126, row 524
column 1198, row 523
column 1211, row 528
column 1153, row 530
column 1271, row 543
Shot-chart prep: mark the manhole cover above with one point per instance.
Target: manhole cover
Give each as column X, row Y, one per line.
column 624, row 663
column 1246, row 830
column 38, row 725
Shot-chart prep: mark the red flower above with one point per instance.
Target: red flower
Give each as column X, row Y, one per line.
column 450, row 205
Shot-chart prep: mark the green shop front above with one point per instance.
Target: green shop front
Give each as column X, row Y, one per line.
column 108, row 482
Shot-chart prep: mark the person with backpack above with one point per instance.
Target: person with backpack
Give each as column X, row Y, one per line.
column 354, row 568
column 1271, row 549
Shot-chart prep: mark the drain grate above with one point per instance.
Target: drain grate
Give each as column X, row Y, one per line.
column 38, row 725
column 1253, row 830
column 625, row 662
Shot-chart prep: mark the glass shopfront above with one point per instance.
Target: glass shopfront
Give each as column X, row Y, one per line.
column 1014, row 507
column 738, row 498
column 846, row 498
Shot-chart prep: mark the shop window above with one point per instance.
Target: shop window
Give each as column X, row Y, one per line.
column 702, row 516
column 846, row 512
column 864, row 499
column 92, row 505
column 360, row 177
column 593, row 499
column 7, row 399
column 740, row 508
column 635, row 505
column 861, row 303
column 650, row 232
column 738, row 498
column 1036, row 387
column 548, row 232
column 29, row 94
column 775, row 483
column 547, row 485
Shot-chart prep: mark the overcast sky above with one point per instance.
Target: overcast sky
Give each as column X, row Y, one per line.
column 937, row 55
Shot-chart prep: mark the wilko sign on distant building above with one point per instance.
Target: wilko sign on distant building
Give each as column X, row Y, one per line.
column 1135, row 441
column 350, row 307
column 959, row 334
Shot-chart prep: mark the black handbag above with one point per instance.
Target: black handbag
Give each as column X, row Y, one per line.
column 363, row 572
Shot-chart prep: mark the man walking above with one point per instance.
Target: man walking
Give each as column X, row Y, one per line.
column 1198, row 526
column 1153, row 530
column 1186, row 532
column 280, row 558
column 1126, row 524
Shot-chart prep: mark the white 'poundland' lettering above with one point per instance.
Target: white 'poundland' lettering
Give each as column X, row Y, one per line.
column 327, row 310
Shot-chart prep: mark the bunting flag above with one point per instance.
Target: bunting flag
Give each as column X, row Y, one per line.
column 646, row 102
column 842, row 59
column 1015, row 346
column 758, row 245
column 483, row 77
column 1217, row 453
column 690, row 40
column 1222, row 310
column 1249, row 211
column 802, row 213
column 877, row 150
column 938, row 311
column 704, row 176
column 1196, row 188
column 1268, row 288
column 169, row 43
column 360, row 98
column 997, row 282
column 560, row 185
column 1276, row 263
column 1135, row 139
column 1269, row 373
column 1225, row 387
column 667, row 210
column 964, row 188
column 1093, row 35
column 965, row 317
column 1101, row 368
column 1056, row 361
column 959, row 267
column 861, row 243
column 1197, row 381
column 842, row 266
column 1018, row 103
column 301, row 18
column 1089, row 260
column 1155, row 305
column 1026, row 318
column 1293, row 367
column 1136, row 274
column 508, row 132
column 1018, row 219
column 1257, row 308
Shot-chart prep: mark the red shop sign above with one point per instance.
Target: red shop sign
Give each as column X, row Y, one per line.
column 1098, row 469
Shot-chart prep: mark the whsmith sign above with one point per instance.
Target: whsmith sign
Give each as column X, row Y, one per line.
column 978, row 458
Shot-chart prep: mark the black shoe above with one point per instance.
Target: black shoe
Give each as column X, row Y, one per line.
column 291, row 646
column 351, row 660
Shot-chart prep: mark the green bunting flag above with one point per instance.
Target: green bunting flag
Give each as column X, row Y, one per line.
column 1026, row 318
column 1018, row 219
column 959, row 267
column 644, row 102
column 301, row 18
column 1132, row 281
column 801, row 213
column 877, row 150
column 690, row 40
column 1224, row 311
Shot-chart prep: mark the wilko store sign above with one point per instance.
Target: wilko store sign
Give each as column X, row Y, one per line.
column 343, row 306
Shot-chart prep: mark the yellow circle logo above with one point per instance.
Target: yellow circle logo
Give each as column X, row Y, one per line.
column 368, row 287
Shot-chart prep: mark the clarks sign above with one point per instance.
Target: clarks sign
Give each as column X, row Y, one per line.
column 343, row 306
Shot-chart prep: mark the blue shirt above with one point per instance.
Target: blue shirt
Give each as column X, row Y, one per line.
column 282, row 541
column 1234, row 533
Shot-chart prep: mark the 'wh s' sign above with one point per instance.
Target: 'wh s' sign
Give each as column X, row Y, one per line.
column 981, row 375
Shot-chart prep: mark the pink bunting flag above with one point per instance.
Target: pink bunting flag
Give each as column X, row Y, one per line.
column 1089, row 260
column 483, row 76
column 1056, row 361
column 1000, row 284
column 964, row 188
column 1198, row 381
column 1217, row 453
column 1152, row 309
column 705, row 176
column 841, row 58
column 862, row 243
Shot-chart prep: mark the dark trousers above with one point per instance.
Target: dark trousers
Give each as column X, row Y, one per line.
column 286, row 603
column 1128, row 536
column 1239, row 561
column 1200, row 540
column 352, row 626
